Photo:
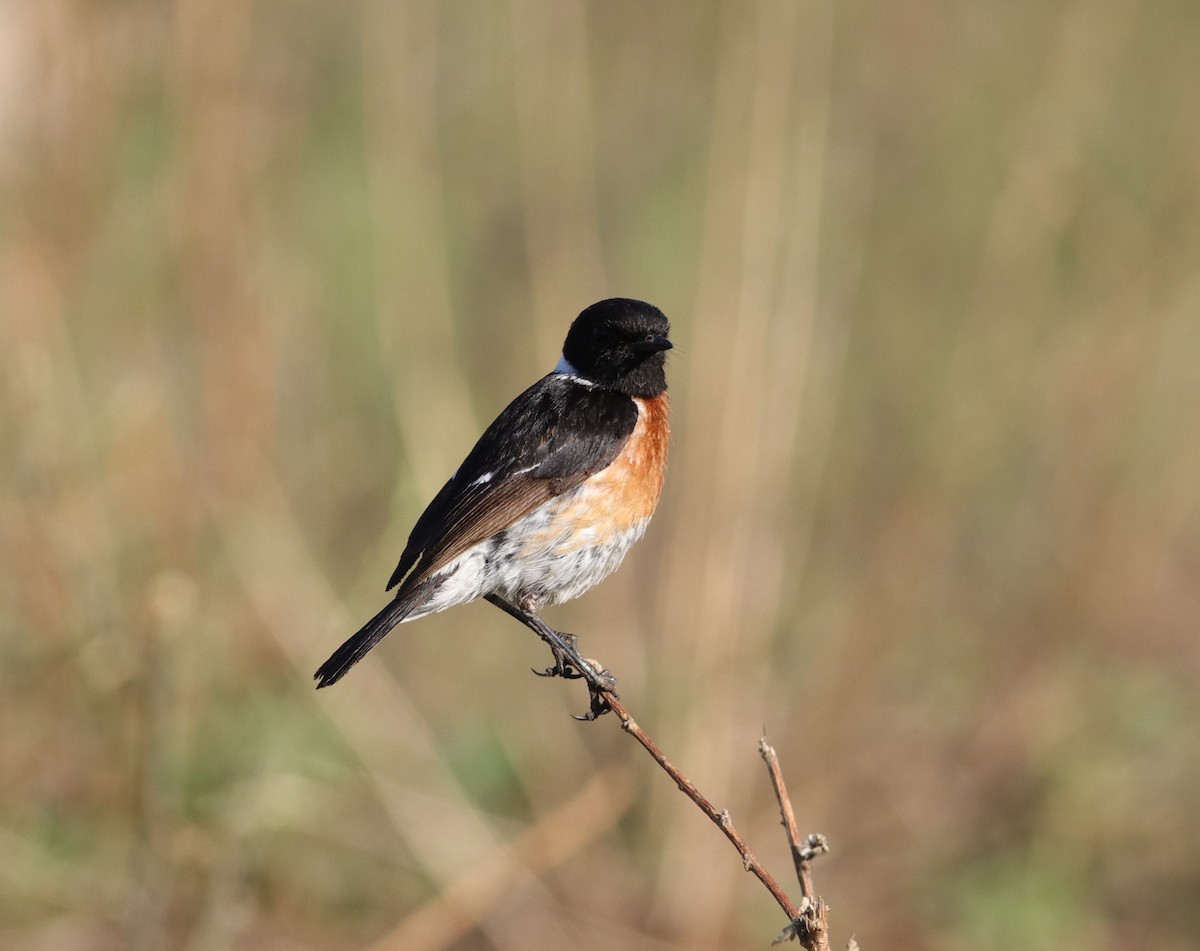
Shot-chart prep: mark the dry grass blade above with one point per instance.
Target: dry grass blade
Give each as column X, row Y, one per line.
column 462, row 904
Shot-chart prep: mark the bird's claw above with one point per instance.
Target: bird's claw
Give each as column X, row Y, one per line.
column 564, row 665
column 599, row 679
column 598, row 705
column 601, row 683
column 566, row 671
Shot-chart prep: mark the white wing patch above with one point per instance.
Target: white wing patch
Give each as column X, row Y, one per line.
column 490, row 475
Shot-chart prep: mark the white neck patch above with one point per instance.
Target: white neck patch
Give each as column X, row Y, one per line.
column 564, row 367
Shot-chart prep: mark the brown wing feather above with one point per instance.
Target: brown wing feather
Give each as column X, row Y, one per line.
column 505, row 504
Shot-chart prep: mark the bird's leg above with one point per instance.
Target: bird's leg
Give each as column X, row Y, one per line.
column 563, row 646
column 568, row 662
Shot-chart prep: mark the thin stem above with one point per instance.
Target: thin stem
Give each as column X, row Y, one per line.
column 802, row 852
column 811, row 926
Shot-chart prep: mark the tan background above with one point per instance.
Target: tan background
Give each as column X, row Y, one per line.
column 932, row 518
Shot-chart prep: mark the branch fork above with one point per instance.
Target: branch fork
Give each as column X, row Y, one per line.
column 808, row 920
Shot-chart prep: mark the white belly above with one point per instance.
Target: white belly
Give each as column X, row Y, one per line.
column 529, row 560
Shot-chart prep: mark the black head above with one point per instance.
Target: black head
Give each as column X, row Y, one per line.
column 620, row 344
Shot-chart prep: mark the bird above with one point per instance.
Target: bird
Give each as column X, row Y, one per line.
column 550, row 499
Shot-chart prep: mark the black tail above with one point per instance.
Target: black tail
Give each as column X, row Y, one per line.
column 357, row 646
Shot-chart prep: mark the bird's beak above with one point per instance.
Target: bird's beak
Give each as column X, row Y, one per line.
column 651, row 345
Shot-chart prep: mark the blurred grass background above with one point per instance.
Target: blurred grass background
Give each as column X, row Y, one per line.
column 933, row 515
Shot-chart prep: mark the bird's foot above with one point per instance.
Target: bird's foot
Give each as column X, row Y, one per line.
column 565, row 649
column 598, row 704
column 600, row 683
column 570, row 664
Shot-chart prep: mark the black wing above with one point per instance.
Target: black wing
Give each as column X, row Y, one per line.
column 545, row 442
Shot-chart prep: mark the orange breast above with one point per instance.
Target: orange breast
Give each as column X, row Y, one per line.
column 629, row 488
column 617, row 499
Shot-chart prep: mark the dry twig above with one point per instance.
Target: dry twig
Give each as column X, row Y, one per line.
column 811, row 926
column 720, row 817
column 807, row 921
